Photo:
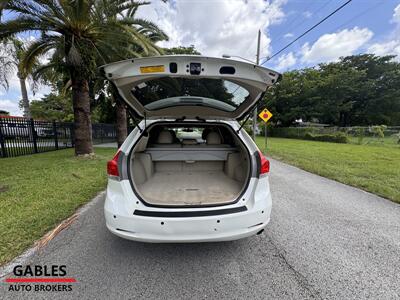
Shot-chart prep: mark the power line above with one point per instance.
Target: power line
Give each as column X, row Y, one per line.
column 359, row 15
column 297, row 25
column 307, row 31
column 351, row 20
column 289, row 26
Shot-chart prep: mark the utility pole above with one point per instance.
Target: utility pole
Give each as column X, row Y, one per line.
column 255, row 116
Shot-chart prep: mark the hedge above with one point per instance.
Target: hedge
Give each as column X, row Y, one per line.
column 338, row 137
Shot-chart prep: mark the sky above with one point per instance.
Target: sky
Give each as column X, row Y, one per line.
column 217, row 27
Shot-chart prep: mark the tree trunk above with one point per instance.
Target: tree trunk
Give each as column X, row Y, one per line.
column 25, row 100
column 82, row 119
column 122, row 129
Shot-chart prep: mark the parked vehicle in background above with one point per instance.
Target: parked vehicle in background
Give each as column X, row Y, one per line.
column 188, row 172
column 13, row 130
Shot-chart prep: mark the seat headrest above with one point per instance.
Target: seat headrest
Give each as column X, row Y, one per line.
column 165, row 137
column 189, row 142
column 213, row 138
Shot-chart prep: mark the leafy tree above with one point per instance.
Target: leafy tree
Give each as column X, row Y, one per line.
column 182, row 50
column 53, row 107
column 78, row 32
column 4, row 113
column 356, row 90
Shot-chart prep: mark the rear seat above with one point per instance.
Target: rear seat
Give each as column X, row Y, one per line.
column 214, row 139
column 165, row 140
column 166, row 150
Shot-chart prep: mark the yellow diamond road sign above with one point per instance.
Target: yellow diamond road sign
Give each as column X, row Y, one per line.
column 265, row 115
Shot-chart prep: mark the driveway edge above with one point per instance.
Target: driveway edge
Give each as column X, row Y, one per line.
column 27, row 254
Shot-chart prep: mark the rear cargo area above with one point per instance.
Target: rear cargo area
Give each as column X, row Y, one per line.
column 184, row 171
column 189, row 187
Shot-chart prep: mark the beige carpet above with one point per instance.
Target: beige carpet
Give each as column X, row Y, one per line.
column 190, row 188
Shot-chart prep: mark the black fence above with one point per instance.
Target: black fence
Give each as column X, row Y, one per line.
column 20, row 136
column 103, row 133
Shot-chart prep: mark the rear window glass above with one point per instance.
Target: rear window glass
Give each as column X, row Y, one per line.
column 166, row 92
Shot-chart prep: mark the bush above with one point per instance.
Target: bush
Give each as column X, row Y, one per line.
column 289, row 132
column 308, row 133
column 379, row 130
column 338, row 137
column 309, row 136
column 360, row 135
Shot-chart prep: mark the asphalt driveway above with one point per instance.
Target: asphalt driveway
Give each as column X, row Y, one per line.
column 325, row 240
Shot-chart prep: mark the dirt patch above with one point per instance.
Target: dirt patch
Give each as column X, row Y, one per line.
column 3, row 188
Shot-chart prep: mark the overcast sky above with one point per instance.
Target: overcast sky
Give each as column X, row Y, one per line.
column 217, row 27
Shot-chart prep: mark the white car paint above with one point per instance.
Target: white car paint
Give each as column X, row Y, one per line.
column 246, row 217
column 121, row 202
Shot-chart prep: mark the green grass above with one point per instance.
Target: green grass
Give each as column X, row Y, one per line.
column 374, row 168
column 38, row 191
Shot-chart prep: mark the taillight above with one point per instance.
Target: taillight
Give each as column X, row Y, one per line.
column 112, row 165
column 264, row 163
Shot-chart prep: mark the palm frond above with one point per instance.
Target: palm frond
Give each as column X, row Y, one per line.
column 36, row 50
column 18, row 25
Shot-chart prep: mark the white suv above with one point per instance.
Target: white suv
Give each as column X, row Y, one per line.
column 188, row 172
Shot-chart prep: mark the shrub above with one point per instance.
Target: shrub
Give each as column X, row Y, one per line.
column 307, row 133
column 338, row 137
column 397, row 135
column 379, row 130
column 360, row 135
column 289, row 132
column 309, row 136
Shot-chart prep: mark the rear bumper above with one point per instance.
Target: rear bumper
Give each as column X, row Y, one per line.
column 193, row 229
column 189, row 238
column 121, row 220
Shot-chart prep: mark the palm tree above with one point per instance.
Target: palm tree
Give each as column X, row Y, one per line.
column 12, row 51
column 2, row 5
column 78, row 32
column 144, row 27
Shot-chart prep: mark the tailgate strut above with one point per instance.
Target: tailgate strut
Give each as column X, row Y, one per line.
column 250, row 111
column 134, row 121
column 244, row 122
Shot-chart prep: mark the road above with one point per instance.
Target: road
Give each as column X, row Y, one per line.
column 326, row 240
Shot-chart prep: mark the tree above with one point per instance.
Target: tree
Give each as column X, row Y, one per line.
column 6, row 64
column 79, row 33
column 182, row 50
column 146, row 28
column 356, row 90
column 11, row 56
column 53, row 107
column 2, row 6
column 4, row 112
column 150, row 31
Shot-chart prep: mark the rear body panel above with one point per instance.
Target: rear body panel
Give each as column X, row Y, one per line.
column 193, row 89
column 194, row 224
column 224, row 227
